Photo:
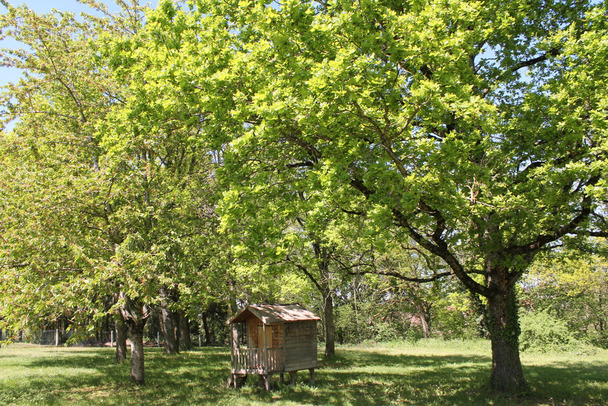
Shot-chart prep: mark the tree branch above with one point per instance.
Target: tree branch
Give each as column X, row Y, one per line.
column 569, row 228
column 403, row 277
column 439, row 247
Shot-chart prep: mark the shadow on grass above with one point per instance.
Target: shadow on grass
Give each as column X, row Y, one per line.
column 352, row 377
column 573, row 383
column 92, row 376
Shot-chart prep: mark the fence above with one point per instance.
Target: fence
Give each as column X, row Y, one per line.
column 60, row 337
column 42, row 337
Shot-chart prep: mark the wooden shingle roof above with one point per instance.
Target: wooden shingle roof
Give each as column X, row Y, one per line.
column 274, row 313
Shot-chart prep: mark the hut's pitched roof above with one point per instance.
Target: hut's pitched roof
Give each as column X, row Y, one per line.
column 275, row 313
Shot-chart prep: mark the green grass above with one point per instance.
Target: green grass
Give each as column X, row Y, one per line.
column 426, row 373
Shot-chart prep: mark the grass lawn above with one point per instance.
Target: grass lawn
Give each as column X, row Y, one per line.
column 425, row 373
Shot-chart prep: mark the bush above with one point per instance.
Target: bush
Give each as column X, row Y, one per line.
column 600, row 340
column 543, row 332
column 386, row 332
column 413, row 335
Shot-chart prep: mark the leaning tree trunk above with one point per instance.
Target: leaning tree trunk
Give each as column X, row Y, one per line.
column 423, row 310
column 121, row 340
column 426, row 327
column 507, row 371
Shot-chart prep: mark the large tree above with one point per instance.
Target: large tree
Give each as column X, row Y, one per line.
column 476, row 128
column 53, row 196
column 111, row 209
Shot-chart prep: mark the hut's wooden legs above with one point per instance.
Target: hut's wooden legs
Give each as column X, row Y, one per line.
column 231, row 381
column 265, row 381
column 236, row 380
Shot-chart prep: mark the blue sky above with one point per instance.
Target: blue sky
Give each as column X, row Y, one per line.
column 42, row 6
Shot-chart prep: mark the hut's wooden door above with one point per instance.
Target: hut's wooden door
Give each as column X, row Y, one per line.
column 272, row 355
column 261, row 336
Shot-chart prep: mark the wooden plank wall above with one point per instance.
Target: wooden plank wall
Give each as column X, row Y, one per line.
column 252, row 332
column 300, row 345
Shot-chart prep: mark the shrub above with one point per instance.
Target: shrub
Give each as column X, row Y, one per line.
column 543, row 332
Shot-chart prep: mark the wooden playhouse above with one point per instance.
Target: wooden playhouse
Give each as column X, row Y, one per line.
column 273, row 339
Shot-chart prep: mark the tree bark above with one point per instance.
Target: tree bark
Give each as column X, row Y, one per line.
column 136, row 333
column 426, row 328
column 423, row 309
column 330, row 327
column 135, row 315
column 184, row 331
column 168, row 325
column 121, row 340
column 507, row 372
column 206, row 329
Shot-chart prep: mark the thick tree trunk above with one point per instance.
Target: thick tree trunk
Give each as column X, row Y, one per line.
column 136, row 333
column 184, row 331
column 121, row 340
column 135, row 315
column 330, row 328
column 507, row 373
column 168, row 325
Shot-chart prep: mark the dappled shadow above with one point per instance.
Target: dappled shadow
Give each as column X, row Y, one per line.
column 208, row 367
column 53, row 372
column 88, row 372
column 352, row 377
column 376, row 379
column 586, row 382
column 355, row 358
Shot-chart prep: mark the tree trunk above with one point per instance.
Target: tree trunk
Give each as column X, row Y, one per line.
column 424, row 311
column 206, row 329
column 184, row 331
column 330, row 328
column 168, row 325
column 507, row 373
column 121, row 340
column 135, row 315
column 426, row 328
column 136, row 333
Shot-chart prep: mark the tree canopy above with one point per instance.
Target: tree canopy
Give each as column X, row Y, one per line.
column 474, row 130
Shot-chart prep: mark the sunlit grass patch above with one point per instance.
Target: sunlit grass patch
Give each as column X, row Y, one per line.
column 424, row 373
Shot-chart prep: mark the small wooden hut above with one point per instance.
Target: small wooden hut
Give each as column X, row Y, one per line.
column 269, row 339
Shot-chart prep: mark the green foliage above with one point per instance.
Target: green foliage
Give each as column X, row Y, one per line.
column 571, row 285
column 101, row 212
column 319, row 136
column 542, row 332
column 387, row 332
